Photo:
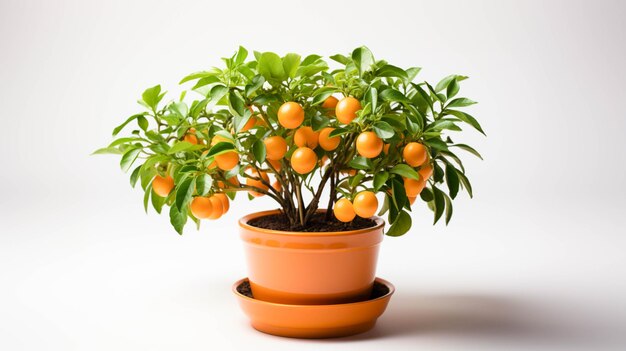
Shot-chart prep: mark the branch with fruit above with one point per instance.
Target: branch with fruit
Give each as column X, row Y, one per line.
column 293, row 129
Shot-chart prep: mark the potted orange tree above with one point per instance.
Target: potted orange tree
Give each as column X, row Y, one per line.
column 332, row 147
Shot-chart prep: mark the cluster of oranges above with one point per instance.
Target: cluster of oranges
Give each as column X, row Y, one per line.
column 303, row 160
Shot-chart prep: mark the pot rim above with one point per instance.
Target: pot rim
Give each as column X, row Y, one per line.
column 243, row 223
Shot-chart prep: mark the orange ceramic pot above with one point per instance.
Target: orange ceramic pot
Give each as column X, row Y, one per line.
column 309, row 268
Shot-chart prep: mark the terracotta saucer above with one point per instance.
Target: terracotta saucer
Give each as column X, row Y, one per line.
column 314, row 321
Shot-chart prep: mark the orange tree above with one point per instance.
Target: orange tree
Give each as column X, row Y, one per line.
column 290, row 128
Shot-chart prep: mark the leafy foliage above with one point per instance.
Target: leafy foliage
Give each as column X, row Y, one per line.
column 236, row 111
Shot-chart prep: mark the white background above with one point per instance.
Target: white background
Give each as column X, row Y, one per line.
column 535, row 261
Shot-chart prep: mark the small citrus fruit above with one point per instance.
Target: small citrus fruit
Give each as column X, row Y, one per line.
column 290, row 115
column 201, row 207
column 162, row 186
column 346, row 109
column 218, row 208
column 343, row 210
column 275, row 147
column 227, row 160
column 413, row 187
column 330, row 102
column 326, row 142
column 303, row 160
column 225, row 201
column 305, row 136
column 425, row 172
column 415, row 154
column 365, row 204
column 369, row 145
column 257, row 183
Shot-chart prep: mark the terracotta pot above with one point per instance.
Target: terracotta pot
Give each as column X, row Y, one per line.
column 309, row 268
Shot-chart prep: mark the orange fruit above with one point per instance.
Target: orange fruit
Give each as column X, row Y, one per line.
column 191, row 137
column 346, row 109
column 305, row 136
column 330, row 102
column 162, row 186
column 251, row 123
column 275, row 147
column 369, row 145
column 201, row 207
column 276, row 185
column 323, row 161
column 276, row 164
column 343, row 210
column 412, row 199
column 227, row 160
column 425, row 172
column 365, row 204
column 232, row 182
column 212, row 165
column 415, row 154
column 257, row 183
column 290, row 115
column 326, row 142
column 386, row 148
column 218, row 138
column 349, row 171
column 218, row 208
column 413, row 187
column 303, row 160
column 225, row 201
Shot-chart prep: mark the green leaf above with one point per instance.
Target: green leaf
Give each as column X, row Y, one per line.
column 128, row 120
column 340, row 58
column 217, row 93
column 255, row 84
column 338, row 131
column 203, row 184
column 258, row 150
column 197, row 75
column 182, row 146
column 467, row 119
column 427, row 195
column 443, row 84
column 291, row 62
column 241, row 121
column 360, row 162
column 129, row 158
column 412, row 73
column 392, row 95
column 439, row 203
column 146, row 198
column 383, row 130
column 107, row 150
column 152, row 96
column 220, row 148
column 461, row 102
column 466, row 183
column 241, row 55
column 236, row 102
column 373, row 97
column 405, row 170
column 184, row 192
column 321, row 95
column 271, row 66
column 392, row 71
column 468, row 149
column 448, row 202
column 452, row 179
column 178, row 219
column 363, row 59
column 180, row 109
column 452, row 89
column 318, row 122
column 134, row 176
column 401, row 225
column 399, row 194
column 380, row 178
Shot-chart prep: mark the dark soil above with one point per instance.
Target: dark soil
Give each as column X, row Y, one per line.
column 317, row 223
column 377, row 291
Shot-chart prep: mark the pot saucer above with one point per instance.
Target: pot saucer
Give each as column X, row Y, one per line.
column 314, row 321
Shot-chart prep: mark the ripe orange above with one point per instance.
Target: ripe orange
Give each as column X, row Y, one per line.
column 290, row 115
column 218, row 138
column 365, row 204
column 386, row 149
column 305, row 136
column 343, row 210
column 162, row 186
column 330, row 102
column 275, row 147
column 346, row 109
column 232, row 182
column 276, row 164
column 212, row 165
column 218, row 208
column 412, row 199
column 225, row 201
column 413, row 187
column 191, row 137
column 369, row 145
column 327, row 143
column 227, row 160
column 251, row 123
column 426, row 171
column 349, row 171
column 303, row 160
column 257, row 183
column 276, row 185
column 415, row 154
column 201, row 207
